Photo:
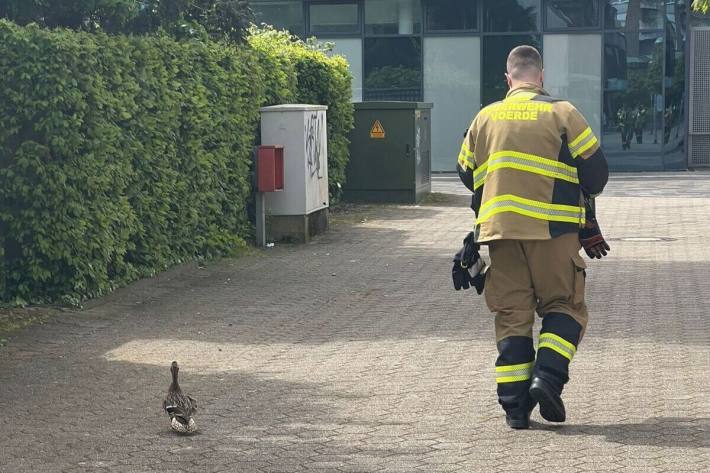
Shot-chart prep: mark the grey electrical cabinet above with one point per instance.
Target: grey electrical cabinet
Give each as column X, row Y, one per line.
column 390, row 153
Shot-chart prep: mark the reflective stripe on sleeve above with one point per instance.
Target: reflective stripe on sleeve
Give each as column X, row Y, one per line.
column 514, row 373
column 582, row 143
column 479, row 175
column 558, row 344
column 466, row 158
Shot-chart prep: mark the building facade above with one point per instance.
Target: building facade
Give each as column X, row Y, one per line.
column 639, row 70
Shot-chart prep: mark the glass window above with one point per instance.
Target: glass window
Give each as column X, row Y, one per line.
column 633, row 100
column 453, row 85
column 393, row 17
column 510, row 15
column 495, row 54
column 351, row 49
column 393, row 69
column 333, row 18
column 634, row 15
column 451, row 15
column 573, row 76
column 286, row 14
column 674, row 127
column 571, row 14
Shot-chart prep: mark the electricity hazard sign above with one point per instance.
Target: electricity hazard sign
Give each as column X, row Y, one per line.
column 377, row 132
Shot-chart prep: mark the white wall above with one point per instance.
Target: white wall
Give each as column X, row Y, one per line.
column 351, row 48
column 573, row 71
column 452, row 82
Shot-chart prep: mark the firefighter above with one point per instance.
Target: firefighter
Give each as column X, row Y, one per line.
column 533, row 164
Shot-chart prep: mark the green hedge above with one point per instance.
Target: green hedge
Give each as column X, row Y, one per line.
column 303, row 73
column 120, row 156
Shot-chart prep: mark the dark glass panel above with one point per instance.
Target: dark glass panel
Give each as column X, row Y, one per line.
column 495, row 54
column 393, row 17
column 451, row 15
column 285, row 14
column 674, row 129
column 572, row 14
column 393, row 69
column 633, row 100
column 333, row 18
column 634, row 15
column 510, row 15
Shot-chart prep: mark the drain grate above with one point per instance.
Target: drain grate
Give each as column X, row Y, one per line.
column 642, row 239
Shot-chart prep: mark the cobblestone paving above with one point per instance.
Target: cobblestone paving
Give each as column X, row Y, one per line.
column 354, row 354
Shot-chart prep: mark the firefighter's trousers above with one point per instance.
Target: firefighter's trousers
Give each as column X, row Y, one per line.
column 528, row 276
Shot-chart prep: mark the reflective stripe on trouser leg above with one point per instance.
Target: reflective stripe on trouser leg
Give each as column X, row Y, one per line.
column 556, row 347
column 514, row 368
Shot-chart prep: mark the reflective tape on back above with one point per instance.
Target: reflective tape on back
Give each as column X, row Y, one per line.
column 531, row 208
column 534, row 164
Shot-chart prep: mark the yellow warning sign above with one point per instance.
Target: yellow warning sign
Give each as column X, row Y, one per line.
column 377, row 132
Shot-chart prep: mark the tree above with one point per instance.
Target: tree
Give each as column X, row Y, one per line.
column 109, row 15
column 701, row 5
column 217, row 18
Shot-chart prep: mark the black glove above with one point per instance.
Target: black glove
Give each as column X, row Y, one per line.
column 590, row 236
column 468, row 267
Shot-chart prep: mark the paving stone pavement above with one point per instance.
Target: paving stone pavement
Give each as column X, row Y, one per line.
column 354, row 354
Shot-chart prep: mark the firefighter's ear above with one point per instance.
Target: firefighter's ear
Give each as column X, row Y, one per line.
column 508, row 80
column 542, row 77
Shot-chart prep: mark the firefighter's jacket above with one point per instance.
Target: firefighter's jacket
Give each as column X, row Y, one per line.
column 528, row 160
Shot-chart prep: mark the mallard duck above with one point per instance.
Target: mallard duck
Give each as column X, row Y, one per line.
column 179, row 406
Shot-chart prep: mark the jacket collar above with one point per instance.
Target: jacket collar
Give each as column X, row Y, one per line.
column 526, row 87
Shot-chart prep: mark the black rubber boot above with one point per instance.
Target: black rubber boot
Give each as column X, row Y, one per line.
column 548, row 396
column 514, row 380
column 518, row 421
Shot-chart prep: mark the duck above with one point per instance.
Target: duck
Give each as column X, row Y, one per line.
column 179, row 406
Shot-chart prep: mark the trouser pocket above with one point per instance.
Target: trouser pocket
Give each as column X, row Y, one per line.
column 579, row 281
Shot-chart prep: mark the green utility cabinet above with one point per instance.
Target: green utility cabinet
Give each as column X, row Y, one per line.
column 390, row 153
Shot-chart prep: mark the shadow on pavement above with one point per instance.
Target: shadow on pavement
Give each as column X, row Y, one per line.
column 114, row 421
column 653, row 432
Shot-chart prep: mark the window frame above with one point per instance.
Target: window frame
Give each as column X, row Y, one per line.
column 482, row 12
column 360, row 18
column 301, row 33
column 426, row 30
column 420, row 34
column 570, row 29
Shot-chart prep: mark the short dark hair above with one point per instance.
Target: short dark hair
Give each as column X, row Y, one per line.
column 522, row 60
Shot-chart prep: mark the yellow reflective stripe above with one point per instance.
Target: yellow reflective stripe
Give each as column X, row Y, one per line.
column 534, row 164
column 514, row 373
column 583, row 142
column 463, row 162
column 479, row 175
column 558, row 344
column 531, row 208
column 466, row 157
column 581, row 136
column 465, row 151
column 512, row 379
column 521, row 366
column 589, row 144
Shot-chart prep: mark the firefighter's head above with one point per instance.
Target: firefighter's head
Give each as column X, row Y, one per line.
column 524, row 65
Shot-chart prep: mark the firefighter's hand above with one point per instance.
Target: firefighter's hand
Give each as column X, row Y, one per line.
column 465, row 259
column 592, row 240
